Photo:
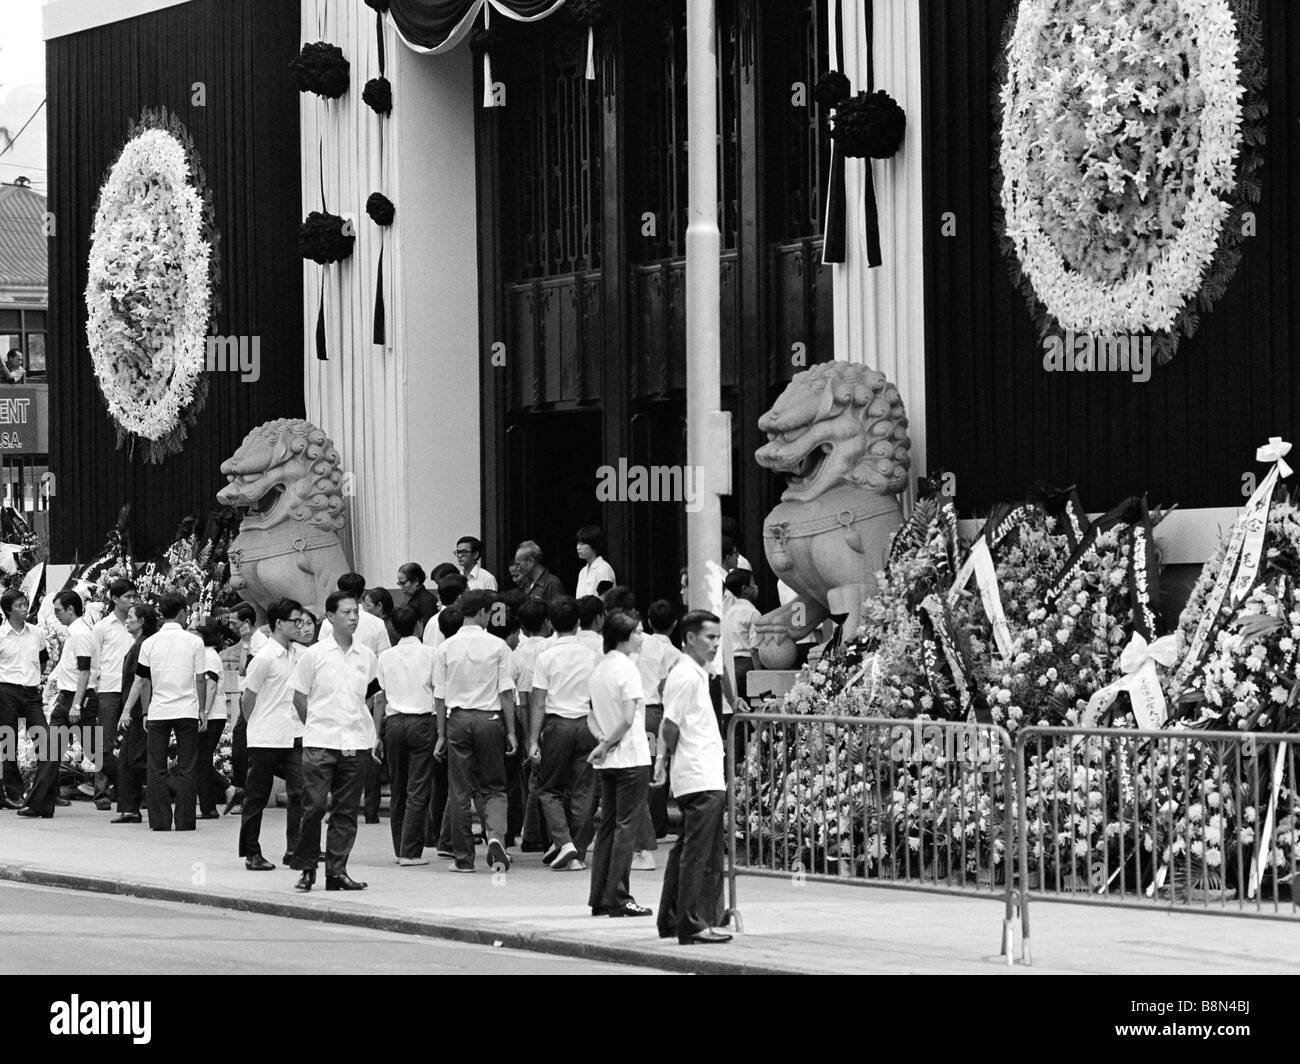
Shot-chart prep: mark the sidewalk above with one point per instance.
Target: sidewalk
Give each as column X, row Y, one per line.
column 801, row 928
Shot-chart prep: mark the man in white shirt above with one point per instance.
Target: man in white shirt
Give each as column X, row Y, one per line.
column 534, row 626
column 410, row 734
column 595, row 570
column 591, row 615
column 112, row 641
column 371, row 632
column 690, row 903
column 474, row 695
column 331, row 683
column 450, row 589
column 274, row 733
column 738, row 623
column 559, row 741
column 72, row 676
column 654, row 661
column 243, row 618
column 173, row 690
column 622, row 761
column 23, row 654
column 469, row 551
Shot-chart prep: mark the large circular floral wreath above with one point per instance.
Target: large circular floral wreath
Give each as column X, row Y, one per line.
column 150, row 289
column 1128, row 147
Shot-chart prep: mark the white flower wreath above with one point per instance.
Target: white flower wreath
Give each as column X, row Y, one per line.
column 1121, row 130
column 148, row 293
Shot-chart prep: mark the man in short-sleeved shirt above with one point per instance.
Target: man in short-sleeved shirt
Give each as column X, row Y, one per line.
column 622, row 762
column 112, row 641
column 690, row 903
column 331, row 682
column 410, row 734
column 274, row 733
column 560, row 741
column 72, row 677
column 474, row 695
column 173, row 688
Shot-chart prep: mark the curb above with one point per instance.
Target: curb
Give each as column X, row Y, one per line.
column 475, row 932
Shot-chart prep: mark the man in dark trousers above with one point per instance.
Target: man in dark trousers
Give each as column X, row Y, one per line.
column 112, row 641
column 23, row 654
column 173, row 694
column 688, row 907
column 331, row 683
column 274, row 733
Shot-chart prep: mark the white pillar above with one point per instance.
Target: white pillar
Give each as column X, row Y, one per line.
column 708, row 442
column 880, row 313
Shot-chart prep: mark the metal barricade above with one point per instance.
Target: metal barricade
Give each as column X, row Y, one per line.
column 917, row 805
column 1177, row 819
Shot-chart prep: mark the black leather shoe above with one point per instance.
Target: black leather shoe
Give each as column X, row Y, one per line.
column 62, row 801
column 707, row 937
column 372, row 820
column 214, row 815
column 259, row 864
column 287, row 859
column 306, row 881
column 127, row 818
column 28, row 813
column 629, row 908
column 343, row 882
column 9, row 803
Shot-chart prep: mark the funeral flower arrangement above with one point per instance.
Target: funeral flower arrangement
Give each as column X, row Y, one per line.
column 1128, row 152
column 149, row 292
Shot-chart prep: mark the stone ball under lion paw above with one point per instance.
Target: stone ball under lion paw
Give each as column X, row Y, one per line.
column 777, row 653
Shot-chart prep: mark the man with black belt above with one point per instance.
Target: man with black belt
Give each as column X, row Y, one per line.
column 23, row 655
column 112, row 641
column 274, row 733
column 173, row 692
column 559, row 740
column 72, row 676
column 688, row 907
column 410, row 734
column 331, row 683
column 474, row 695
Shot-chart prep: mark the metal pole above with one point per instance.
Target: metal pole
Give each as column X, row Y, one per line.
column 708, row 437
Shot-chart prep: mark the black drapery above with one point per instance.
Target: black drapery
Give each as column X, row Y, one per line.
column 998, row 420
column 222, row 67
column 438, row 25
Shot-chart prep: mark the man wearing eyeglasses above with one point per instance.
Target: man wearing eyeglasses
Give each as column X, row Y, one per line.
column 469, row 550
column 410, row 580
column 274, row 731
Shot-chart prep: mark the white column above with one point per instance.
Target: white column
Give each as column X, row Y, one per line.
column 880, row 313
column 708, row 450
column 433, row 108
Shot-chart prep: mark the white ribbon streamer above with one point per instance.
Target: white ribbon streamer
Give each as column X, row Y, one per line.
column 591, row 54
column 980, row 563
column 1242, row 557
column 1140, row 680
column 1266, row 836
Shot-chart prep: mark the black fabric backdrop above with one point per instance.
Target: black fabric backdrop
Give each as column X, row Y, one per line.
column 247, row 140
column 428, row 23
column 995, row 417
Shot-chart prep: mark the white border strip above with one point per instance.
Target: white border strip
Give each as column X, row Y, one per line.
column 63, row 17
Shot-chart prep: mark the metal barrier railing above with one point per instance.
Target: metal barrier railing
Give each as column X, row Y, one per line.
column 1115, row 816
column 918, row 805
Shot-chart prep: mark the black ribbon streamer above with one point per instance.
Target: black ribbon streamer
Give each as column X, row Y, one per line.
column 379, row 36
column 833, row 237
column 874, row 257
column 1065, row 505
column 321, row 353
column 1144, row 592
column 379, row 300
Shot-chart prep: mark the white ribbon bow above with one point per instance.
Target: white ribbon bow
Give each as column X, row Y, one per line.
column 1275, row 450
column 1138, row 660
column 1164, row 651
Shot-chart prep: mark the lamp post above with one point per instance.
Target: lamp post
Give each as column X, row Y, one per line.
column 708, row 429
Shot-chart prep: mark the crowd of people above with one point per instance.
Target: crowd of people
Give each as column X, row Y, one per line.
column 565, row 722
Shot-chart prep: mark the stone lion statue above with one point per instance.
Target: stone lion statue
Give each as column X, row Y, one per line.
column 285, row 477
column 838, row 434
